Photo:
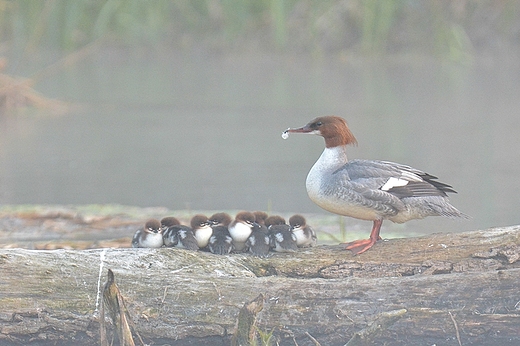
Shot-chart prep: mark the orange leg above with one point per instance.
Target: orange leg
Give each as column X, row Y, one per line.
column 362, row 245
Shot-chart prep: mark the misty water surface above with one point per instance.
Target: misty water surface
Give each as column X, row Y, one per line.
column 204, row 133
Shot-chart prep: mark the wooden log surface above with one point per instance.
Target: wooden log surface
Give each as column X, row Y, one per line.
column 443, row 289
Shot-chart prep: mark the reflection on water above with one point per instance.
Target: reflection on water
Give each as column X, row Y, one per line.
column 204, row 133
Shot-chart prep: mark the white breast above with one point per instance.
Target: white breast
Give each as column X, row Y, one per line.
column 330, row 160
column 301, row 239
column 152, row 240
column 321, row 174
column 202, row 235
column 240, row 232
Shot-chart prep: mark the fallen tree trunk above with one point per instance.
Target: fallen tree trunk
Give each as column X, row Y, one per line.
column 448, row 289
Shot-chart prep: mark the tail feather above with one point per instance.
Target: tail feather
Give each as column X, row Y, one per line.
column 418, row 208
column 445, row 209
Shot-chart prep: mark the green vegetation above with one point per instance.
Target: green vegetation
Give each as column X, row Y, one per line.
column 452, row 30
column 266, row 338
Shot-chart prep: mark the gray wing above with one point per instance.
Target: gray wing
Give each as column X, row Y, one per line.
column 170, row 236
column 376, row 175
column 187, row 239
column 135, row 239
column 382, row 184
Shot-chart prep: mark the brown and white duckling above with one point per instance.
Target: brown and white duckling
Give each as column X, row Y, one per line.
column 258, row 242
column 240, row 229
column 220, row 243
column 202, row 230
column 149, row 236
column 305, row 235
column 280, row 236
column 169, row 221
column 260, row 217
column 181, row 236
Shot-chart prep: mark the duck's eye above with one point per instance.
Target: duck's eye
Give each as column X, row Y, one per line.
column 317, row 124
column 297, row 225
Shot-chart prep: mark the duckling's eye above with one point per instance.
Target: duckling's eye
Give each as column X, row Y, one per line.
column 297, row 225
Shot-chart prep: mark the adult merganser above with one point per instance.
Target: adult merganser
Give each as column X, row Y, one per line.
column 220, row 243
column 369, row 190
column 149, row 236
column 241, row 228
column 305, row 235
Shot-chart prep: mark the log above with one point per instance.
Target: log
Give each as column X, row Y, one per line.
column 444, row 289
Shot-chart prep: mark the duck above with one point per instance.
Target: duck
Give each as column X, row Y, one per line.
column 258, row 243
column 220, row 219
column 281, row 238
column 169, row 221
column 260, row 217
column 150, row 236
column 369, row 189
column 274, row 220
column 180, row 236
column 220, row 242
column 201, row 226
column 305, row 235
column 240, row 229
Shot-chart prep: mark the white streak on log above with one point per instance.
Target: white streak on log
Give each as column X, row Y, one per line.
column 101, row 261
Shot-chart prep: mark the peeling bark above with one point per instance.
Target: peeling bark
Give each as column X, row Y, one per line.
column 245, row 331
column 454, row 288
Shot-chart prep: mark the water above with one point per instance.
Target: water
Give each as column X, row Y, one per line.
column 203, row 132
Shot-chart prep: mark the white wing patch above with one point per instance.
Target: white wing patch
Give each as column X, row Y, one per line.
column 410, row 176
column 394, row 182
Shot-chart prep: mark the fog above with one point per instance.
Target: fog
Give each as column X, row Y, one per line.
column 202, row 130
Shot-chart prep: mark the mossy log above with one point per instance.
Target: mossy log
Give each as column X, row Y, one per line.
column 444, row 289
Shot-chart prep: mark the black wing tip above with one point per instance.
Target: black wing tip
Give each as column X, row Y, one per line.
column 422, row 189
column 443, row 187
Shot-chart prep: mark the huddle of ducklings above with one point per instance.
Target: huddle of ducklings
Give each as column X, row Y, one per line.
column 252, row 232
